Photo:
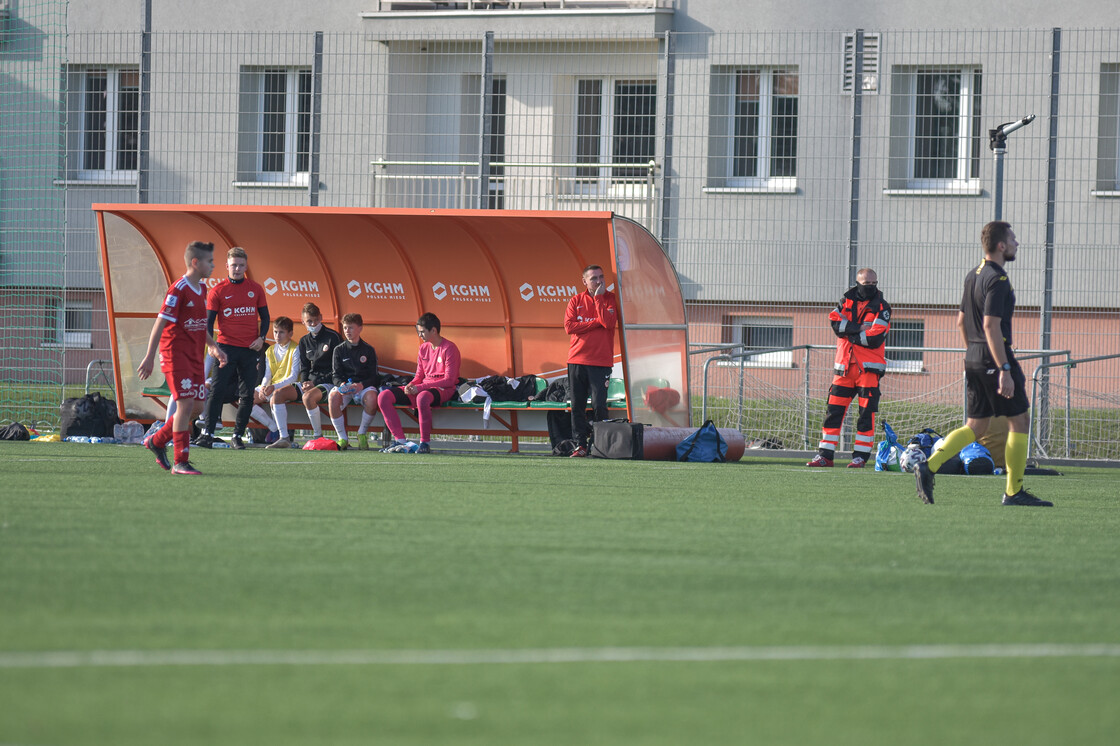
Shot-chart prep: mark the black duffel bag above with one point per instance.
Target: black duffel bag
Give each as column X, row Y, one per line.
column 91, row 415
column 617, row 439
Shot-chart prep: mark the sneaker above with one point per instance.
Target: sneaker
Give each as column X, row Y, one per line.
column 204, row 440
column 184, row 468
column 160, row 453
column 363, row 441
column 343, row 444
column 236, row 444
column 1022, row 497
column 396, row 448
column 820, row 460
column 424, row 448
column 272, row 437
column 281, row 443
column 924, row 478
column 858, row 462
column 579, row 452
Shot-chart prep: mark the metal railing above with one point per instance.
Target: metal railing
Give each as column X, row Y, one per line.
column 1037, row 425
column 806, row 394
column 538, row 186
column 384, row 6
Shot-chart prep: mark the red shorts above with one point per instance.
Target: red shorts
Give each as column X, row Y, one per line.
column 185, row 382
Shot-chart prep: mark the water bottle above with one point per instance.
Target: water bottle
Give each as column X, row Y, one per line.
column 219, row 444
column 94, row 439
column 77, row 439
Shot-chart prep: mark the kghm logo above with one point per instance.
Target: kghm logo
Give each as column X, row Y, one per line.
column 547, row 293
column 376, row 290
column 479, row 293
column 297, row 288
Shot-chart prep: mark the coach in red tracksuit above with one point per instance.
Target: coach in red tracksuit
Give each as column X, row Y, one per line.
column 239, row 307
column 861, row 323
column 591, row 319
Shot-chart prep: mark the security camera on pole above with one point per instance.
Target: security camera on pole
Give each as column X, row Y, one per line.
column 997, row 141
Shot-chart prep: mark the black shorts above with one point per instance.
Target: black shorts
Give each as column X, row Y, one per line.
column 982, row 387
column 402, row 398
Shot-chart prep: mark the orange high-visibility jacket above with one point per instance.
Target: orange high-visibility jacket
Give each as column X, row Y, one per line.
column 862, row 328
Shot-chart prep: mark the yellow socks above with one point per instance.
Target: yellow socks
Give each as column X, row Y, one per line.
column 1015, row 453
column 953, row 444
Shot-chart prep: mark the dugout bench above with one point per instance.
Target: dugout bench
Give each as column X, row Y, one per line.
column 499, row 280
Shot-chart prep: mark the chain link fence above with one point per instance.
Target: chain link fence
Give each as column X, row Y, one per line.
column 770, row 165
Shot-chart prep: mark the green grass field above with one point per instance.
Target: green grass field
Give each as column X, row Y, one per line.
column 353, row 598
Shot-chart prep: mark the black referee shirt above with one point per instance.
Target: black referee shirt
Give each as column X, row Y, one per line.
column 987, row 292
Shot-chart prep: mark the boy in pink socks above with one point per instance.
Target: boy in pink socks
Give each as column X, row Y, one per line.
column 437, row 375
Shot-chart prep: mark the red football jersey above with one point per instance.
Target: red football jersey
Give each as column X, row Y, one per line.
column 183, row 342
column 236, row 305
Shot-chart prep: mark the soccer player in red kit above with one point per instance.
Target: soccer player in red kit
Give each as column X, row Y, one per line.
column 181, row 338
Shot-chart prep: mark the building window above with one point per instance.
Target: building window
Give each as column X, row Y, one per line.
column 907, row 333
column 68, row 323
column 752, row 130
column 1108, row 137
column 275, row 131
column 762, row 333
column 106, row 128
column 936, row 115
column 764, row 127
column 616, row 128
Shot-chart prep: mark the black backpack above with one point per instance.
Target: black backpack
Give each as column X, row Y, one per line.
column 14, row 431
column 91, row 415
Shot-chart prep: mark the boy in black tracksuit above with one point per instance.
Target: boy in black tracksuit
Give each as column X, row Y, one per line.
column 355, row 379
column 316, row 360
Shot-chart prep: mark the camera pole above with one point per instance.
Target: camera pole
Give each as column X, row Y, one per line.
column 997, row 141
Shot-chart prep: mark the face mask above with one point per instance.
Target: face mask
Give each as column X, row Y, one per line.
column 865, row 292
column 315, row 329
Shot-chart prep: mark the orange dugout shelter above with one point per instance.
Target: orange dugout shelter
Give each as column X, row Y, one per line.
column 498, row 280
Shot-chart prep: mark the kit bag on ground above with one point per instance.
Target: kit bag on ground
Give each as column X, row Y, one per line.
column 617, row 439
column 977, row 459
column 91, row 415
column 706, row 444
column 14, row 431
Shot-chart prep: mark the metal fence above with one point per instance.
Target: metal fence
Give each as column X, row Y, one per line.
column 770, row 165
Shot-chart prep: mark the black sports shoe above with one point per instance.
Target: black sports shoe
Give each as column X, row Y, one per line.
column 236, row 444
column 924, row 478
column 424, row 448
column 1022, row 497
column 160, row 453
column 203, row 441
column 185, row 468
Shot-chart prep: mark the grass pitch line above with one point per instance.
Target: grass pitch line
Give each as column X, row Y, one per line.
column 159, row 658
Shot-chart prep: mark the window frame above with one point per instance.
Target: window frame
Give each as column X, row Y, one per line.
column 917, row 362
column 606, row 182
column 294, row 154
column 774, row 360
column 968, row 134
column 57, row 329
column 764, row 136
column 111, row 132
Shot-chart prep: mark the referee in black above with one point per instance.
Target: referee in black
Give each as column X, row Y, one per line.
column 994, row 382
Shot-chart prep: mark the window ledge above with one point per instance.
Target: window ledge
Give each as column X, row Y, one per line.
column 751, row 190
column 971, row 190
column 1105, row 193
column 269, row 185
column 117, row 181
column 756, row 366
column 65, row 346
column 906, row 371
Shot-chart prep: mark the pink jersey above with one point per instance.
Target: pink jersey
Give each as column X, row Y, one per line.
column 437, row 367
column 183, row 343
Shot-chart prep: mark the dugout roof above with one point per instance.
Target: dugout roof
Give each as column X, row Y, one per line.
column 498, row 280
